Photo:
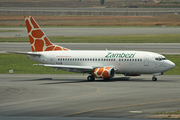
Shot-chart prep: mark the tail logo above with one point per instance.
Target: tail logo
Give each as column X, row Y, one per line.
column 39, row 41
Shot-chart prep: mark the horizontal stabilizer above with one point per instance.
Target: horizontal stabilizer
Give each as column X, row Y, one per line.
column 27, row 53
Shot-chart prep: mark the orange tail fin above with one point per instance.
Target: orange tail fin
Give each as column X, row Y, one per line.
column 39, row 41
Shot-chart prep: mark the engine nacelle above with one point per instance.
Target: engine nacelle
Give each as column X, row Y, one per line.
column 104, row 72
column 129, row 74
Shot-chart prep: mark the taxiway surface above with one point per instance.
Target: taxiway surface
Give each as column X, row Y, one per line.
column 73, row 96
column 92, row 31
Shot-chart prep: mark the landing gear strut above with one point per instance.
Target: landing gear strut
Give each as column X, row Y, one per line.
column 156, row 74
column 90, row 78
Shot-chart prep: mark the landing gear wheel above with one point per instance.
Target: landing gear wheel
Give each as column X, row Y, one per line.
column 90, row 78
column 154, row 79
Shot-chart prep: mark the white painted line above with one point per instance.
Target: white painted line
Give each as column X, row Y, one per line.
column 135, row 111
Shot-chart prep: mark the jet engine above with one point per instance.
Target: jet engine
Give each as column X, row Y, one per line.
column 129, row 74
column 104, row 72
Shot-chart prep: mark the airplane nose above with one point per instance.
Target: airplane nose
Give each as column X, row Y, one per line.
column 171, row 65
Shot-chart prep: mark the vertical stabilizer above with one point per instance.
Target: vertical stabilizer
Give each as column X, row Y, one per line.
column 38, row 40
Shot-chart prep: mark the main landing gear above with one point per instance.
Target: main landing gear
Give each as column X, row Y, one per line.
column 154, row 78
column 91, row 78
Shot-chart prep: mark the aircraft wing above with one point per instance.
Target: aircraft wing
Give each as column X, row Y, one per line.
column 71, row 68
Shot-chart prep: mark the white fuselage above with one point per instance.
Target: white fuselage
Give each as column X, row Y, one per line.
column 126, row 62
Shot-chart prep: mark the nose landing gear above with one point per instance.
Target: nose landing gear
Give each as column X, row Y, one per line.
column 156, row 74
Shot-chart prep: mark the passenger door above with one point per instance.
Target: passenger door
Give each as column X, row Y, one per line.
column 52, row 59
column 146, row 60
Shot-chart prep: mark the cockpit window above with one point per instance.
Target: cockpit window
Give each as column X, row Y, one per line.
column 160, row 58
column 164, row 58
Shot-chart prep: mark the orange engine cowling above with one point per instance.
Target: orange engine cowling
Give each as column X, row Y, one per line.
column 104, row 72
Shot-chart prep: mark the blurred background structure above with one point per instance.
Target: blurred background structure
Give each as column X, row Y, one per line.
column 91, row 12
column 92, row 3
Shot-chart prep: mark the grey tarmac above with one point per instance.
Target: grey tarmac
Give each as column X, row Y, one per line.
column 61, row 95
column 92, row 31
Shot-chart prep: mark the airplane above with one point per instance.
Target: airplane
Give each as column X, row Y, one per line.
column 98, row 63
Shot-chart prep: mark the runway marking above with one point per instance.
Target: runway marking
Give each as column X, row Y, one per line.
column 78, row 95
column 43, row 101
column 134, row 92
column 135, row 111
column 119, row 107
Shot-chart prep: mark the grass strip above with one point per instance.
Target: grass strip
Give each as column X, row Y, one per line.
column 175, row 59
column 153, row 38
column 21, row 64
column 169, row 113
column 166, row 115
